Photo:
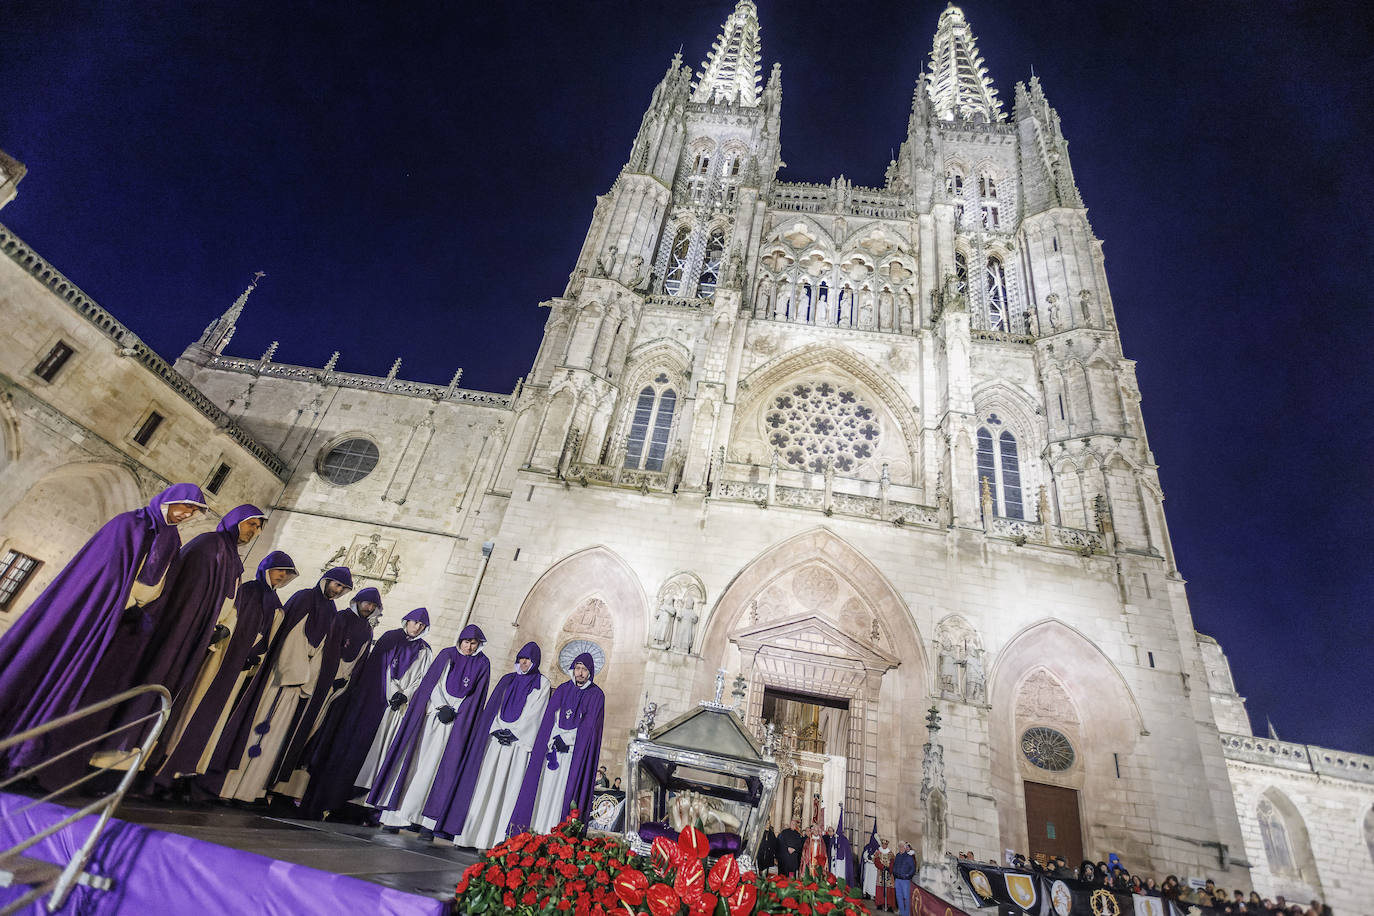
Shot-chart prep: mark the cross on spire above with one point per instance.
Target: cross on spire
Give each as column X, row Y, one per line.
column 731, row 70
column 959, row 85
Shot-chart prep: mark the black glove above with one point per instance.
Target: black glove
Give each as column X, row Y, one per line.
column 560, row 745
column 447, row 714
column 398, row 700
column 251, row 662
column 131, row 615
column 339, row 682
column 505, row 736
column 221, row 633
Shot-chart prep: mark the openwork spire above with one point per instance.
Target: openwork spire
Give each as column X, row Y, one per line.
column 221, row 330
column 731, row 70
column 959, row 84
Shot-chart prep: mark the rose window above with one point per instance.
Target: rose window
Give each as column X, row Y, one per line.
column 812, row 424
column 1047, row 748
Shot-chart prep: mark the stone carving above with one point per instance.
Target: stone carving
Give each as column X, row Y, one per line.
column 685, row 629
column 663, row 623
column 975, row 679
column 961, row 668
column 676, row 615
column 1052, row 309
column 592, row 618
column 814, row 587
column 1042, row 698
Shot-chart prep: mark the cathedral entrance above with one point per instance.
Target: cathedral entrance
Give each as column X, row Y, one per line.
column 813, row 755
column 1052, row 822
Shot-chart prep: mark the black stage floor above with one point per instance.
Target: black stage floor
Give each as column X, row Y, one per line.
column 401, row 861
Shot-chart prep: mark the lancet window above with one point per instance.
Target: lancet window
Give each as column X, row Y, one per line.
column 961, row 271
column 651, row 425
column 710, row 267
column 677, row 261
column 1275, row 836
column 987, row 186
column 999, row 466
column 999, row 314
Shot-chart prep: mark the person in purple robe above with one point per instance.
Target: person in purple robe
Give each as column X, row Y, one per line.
column 567, row 750
column 179, row 625
column 199, row 719
column 338, row 756
column 347, row 648
column 489, row 785
column 421, row 767
column 263, row 724
column 49, row 658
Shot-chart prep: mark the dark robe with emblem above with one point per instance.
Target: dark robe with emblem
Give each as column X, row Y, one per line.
column 768, row 850
column 789, row 851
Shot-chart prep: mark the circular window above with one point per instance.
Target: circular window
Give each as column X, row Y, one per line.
column 813, row 424
column 349, row 461
column 1046, row 748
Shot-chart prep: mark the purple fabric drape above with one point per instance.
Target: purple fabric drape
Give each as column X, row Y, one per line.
column 465, row 677
column 181, row 620
column 583, row 709
column 338, row 750
column 507, row 700
column 256, row 605
column 50, row 655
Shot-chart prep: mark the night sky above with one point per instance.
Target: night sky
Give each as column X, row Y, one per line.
column 414, row 178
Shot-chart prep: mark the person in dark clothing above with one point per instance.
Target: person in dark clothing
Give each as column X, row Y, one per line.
column 903, row 870
column 789, row 848
column 768, row 850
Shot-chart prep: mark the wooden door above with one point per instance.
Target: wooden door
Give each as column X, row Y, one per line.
column 1052, row 822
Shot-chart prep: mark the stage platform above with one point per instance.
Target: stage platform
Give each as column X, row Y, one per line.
column 192, row 855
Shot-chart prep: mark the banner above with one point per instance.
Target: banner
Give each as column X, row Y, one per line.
column 1039, row 894
column 924, row 903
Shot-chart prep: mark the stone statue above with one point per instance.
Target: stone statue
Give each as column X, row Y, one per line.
column 663, row 623
column 636, row 272
column 686, row 626
column 1052, row 308
column 975, row 678
column 676, row 459
column 907, row 321
column 949, row 669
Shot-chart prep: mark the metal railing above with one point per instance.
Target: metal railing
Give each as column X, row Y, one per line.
column 46, row 877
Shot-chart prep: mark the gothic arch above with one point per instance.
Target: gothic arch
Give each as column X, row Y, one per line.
column 819, row 237
column 1287, row 848
column 759, row 384
column 1110, row 724
column 9, row 434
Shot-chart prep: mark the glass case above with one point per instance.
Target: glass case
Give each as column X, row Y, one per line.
column 702, row 769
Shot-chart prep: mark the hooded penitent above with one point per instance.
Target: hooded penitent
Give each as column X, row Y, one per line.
column 507, row 700
column 336, row 753
column 49, row 657
column 256, row 607
column 570, row 707
column 467, row 678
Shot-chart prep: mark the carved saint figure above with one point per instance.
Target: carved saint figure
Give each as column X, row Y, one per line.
column 975, row 678
column 949, row 668
column 663, row 623
column 686, row 624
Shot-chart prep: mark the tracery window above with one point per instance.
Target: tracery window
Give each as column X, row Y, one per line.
column 999, row 317
column 702, row 164
column 961, row 271
column 1275, row 836
column 990, row 217
column 999, row 464
column 987, row 186
column 651, row 425
column 677, row 262
column 954, row 183
column 710, row 269
column 819, row 422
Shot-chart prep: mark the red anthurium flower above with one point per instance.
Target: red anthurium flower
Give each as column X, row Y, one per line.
column 665, row 854
column 630, row 885
column 663, row 900
column 725, row 875
column 693, row 843
column 741, row 901
column 691, row 882
column 706, row 906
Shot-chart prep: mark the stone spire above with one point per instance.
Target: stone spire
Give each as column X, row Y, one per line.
column 731, row 71
column 959, row 84
column 221, row 330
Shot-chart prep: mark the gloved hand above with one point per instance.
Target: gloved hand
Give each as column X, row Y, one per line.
column 398, row 700
column 447, row 714
column 131, row 615
column 251, row 662
column 340, row 682
column 560, row 745
column 505, row 736
column 220, row 633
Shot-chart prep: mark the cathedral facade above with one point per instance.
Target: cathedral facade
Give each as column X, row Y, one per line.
column 868, row 452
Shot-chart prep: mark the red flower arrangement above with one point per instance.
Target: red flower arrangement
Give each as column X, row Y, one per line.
column 567, row 873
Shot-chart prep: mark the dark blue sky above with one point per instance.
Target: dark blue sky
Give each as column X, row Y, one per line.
column 415, row 177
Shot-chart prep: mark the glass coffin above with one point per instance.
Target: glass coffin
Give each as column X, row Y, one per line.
column 702, row 767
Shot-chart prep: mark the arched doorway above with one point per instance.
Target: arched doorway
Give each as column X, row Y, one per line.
column 812, row 621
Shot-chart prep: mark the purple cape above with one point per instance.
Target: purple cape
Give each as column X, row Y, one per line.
column 588, row 708
column 476, row 669
column 48, row 658
column 256, row 605
column 506, row 700
column 238, row 735
column 183, row 619
column 336, row 753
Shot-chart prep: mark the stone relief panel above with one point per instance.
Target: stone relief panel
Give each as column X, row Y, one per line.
column 678, row 608
column 962, row 669
column 592, row 618
column 1043, row 699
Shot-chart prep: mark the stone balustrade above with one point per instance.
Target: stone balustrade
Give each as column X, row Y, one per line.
column 1289, row 755
column 363, row 382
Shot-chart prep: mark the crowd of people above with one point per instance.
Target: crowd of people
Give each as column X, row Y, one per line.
column 1115, row 876
column 885, row 873
column 292, row 699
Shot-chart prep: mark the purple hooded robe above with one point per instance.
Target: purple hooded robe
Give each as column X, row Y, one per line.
column 507, row 700
column 240, row 732
column 336, row 753
column 468, row 676
column 182, row 620
column 256, row 605
column 570, row 707
column 50, row 655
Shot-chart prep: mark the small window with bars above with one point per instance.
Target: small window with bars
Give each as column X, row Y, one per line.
column 54, row 362
column 16, row 569
column 218, row 478
column 148, row 427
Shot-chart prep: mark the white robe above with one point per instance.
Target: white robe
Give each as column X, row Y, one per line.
column 502, row 773
column 391, row 719
column 424, row 765
column 870, row 876
column 548, row 801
